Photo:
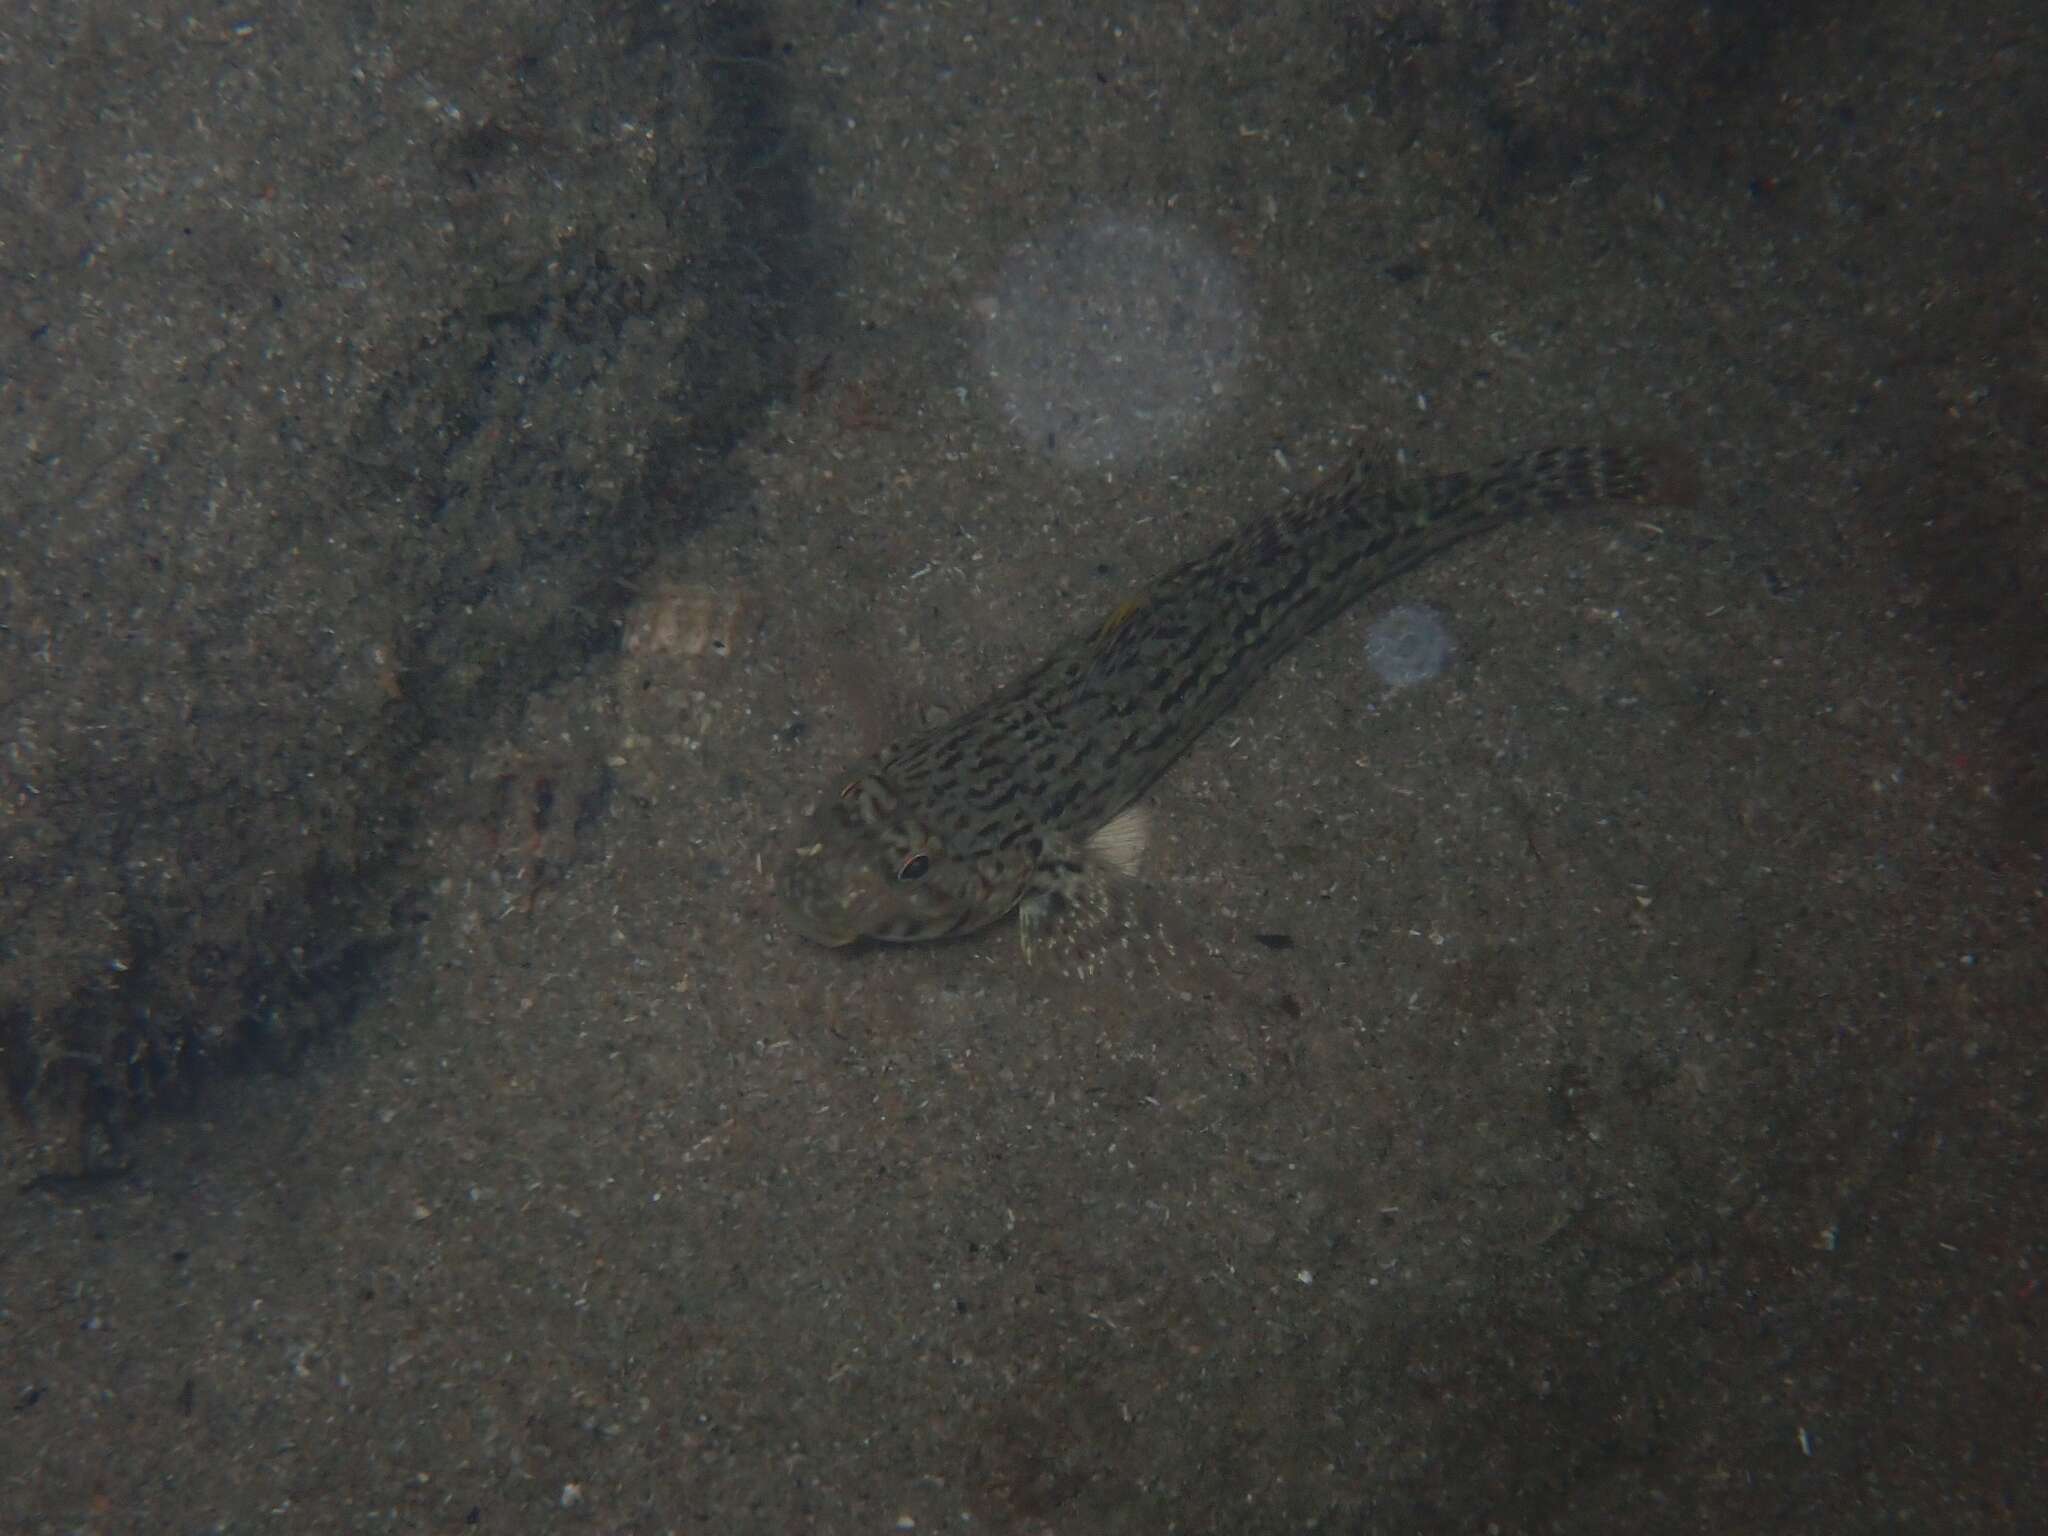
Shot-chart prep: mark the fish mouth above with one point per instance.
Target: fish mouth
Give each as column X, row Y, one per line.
column 819, row 929
column 832, row 938
column 818, row 921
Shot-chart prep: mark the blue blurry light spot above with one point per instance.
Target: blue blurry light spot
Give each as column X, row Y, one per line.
column 1409, row 645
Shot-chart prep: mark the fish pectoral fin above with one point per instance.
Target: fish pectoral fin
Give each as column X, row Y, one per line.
column 1121, row 841
column 1081, row 910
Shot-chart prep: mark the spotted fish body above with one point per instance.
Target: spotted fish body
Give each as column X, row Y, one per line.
column 1024, row 801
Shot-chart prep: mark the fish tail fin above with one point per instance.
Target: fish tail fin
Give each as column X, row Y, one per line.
column 1656, row 474
column 1577, row 475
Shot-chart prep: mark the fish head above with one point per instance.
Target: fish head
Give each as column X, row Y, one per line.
column 864, row 867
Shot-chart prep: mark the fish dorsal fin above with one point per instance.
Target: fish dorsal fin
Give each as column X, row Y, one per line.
column 1118, row 621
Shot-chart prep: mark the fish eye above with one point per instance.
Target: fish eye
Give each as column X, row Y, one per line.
column 914, row 867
